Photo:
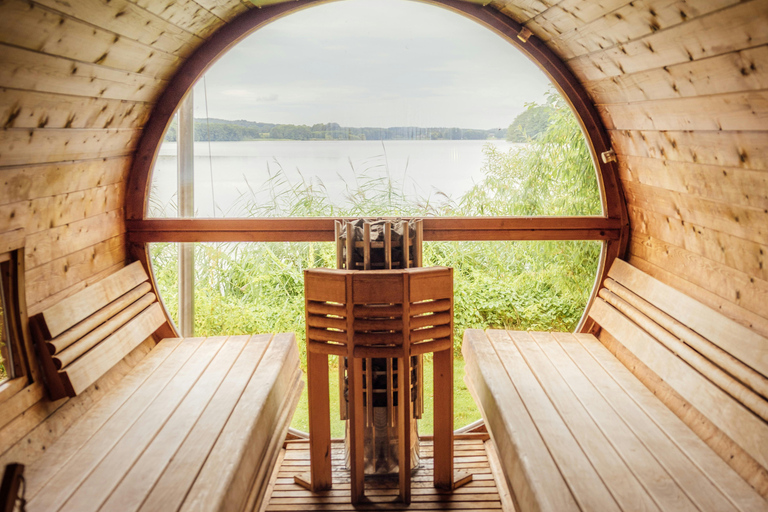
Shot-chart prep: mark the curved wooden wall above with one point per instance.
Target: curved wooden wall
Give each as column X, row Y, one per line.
column 680, row 86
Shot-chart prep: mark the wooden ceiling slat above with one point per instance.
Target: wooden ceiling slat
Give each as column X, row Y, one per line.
column 128, row 20
column 186, row 14
column 29, row 70
column 738, row 28
column 746, row 150
column 522, row 10
column 728, row 73
column 48, row 32
column 744, row 111
column 27, row 109
column 740, row 254
column 630, row 22
column 568, row 15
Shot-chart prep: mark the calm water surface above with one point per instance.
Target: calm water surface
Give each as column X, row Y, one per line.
column 240, row 171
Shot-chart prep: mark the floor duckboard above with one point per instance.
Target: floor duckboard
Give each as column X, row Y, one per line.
column 381, row 492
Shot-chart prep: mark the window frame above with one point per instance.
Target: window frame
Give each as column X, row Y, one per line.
column 612, row 228
column 14, row 315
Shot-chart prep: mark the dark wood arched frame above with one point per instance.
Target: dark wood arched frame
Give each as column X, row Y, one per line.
column 612, row 228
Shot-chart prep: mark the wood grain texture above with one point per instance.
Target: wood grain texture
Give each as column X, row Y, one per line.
column 728, row 73
column 737, row 28
column 30, row 70
column 731, row 417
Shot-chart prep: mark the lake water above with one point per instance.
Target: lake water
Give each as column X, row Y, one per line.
column 240, row 170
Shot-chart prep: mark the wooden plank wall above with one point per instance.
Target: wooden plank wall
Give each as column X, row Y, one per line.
column 78, row 81
column 682, row 88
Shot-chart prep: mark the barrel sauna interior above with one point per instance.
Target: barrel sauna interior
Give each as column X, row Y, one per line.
column 681, row 89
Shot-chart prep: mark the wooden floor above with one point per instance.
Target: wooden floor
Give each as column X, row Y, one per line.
column 470, row 455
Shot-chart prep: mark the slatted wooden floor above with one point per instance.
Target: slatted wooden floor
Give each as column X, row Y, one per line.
column 470, row 455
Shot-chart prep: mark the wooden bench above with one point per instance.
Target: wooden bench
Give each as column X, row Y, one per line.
column 610, row 422
column 196, row 425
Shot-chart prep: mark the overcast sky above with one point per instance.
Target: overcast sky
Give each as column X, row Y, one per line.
column 373, row 63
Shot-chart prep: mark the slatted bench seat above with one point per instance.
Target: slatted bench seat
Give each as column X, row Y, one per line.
column 197, row 424
column 585, row 422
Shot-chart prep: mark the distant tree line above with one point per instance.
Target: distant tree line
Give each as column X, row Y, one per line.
column 224, row 130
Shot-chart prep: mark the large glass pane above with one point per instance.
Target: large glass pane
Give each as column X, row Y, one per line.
column 379, row 107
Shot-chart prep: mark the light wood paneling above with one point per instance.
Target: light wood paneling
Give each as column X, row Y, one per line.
column 126, row 19
column 730, row 284
column 33, row 71
column 741, row 221
column 26, row 109
column 747, row 111
column 746, row 150
column 33, row 146
column 731, row 72
column 631, row 21
column 49, row 212
column 24, row 183
column 740, row 27
column 48, row 245
column 744, row 187
column 743, row 255
column 61, row 273
column 30, row 26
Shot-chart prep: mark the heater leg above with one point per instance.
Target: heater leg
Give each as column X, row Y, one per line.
column 319, row 424
column 443, row 420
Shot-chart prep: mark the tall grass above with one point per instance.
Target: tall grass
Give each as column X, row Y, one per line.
column 542, row 285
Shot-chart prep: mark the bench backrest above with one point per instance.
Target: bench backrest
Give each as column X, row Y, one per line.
column 704, row 360
column 86, row 334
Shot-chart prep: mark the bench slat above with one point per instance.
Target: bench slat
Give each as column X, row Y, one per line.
column 734, row 387
column 598, row 452
column 139, row 480
column 68, row 337
column 60, row 452
column 65, row 314
column 492, row 388
column 110, row 470
column 660, row 483
column 662, row 430
column 729, row 415
column 102, row 433
column 244, row 440
column 88, row 368
column 743, row 343
column 87, row 342
column 181, row 471
column 713, row 353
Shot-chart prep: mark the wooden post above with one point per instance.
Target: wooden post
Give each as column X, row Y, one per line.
column 404, row 409
column 186, row 200
column 355, row 396
column 443, row 419
column 443, row 414
column 319, row 421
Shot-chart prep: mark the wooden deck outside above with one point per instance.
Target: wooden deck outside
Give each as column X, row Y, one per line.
column 469, row 455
